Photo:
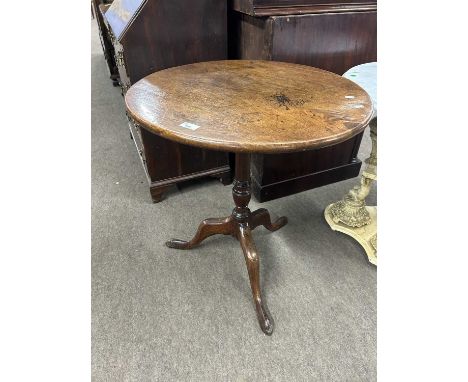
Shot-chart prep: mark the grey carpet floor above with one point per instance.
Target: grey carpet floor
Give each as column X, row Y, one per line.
column 165, row 315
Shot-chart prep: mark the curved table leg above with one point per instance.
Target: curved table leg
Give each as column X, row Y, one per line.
column 253, row 267
column 207, row 228
column 262, row 217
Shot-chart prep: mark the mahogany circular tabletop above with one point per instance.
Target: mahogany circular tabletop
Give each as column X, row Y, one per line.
column 250, row 106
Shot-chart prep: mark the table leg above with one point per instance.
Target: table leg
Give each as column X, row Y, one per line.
column 262, row 217
column 240, row 224
column 252, row 262
column 207, row 228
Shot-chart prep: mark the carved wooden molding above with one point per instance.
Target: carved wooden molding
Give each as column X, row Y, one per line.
column 295, row 7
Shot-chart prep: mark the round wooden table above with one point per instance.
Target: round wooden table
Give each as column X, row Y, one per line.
column 248, row 107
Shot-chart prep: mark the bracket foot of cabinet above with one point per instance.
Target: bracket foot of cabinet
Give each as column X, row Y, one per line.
column 157, row 193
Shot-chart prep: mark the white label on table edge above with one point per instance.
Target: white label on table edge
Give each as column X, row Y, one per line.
column 190, row 126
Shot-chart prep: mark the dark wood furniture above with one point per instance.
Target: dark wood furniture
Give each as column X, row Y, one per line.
column 151, row 35
column 334, row 35
column 268, row 8
column 248, row 107
column 99, row 8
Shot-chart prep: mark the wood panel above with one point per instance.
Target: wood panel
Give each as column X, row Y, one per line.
column 168, row 33
column 273, row 178
column 334, row 42
column 170, row 158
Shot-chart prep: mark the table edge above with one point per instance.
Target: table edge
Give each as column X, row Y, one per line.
column 224, row 146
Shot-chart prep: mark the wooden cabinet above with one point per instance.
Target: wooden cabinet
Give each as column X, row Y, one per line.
column 331, row 35
column 99, row 8
column 151, row 35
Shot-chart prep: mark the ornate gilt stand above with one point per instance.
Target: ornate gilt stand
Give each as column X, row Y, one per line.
column 240, row 225
column 351, row 215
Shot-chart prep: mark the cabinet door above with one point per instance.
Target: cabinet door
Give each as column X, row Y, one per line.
column 334, row 42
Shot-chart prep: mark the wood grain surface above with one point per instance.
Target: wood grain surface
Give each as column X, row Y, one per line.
column 250, row 106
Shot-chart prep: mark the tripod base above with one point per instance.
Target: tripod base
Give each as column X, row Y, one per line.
column 242, row 231
column 240, row 224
